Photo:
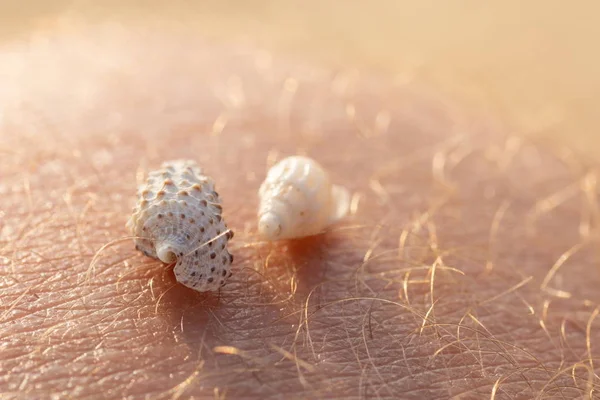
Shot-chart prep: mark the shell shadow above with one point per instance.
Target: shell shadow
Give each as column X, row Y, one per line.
column 311, row 257
column 189, row 313
column 196, row 317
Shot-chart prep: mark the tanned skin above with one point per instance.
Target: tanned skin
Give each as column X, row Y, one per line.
column 468, row 267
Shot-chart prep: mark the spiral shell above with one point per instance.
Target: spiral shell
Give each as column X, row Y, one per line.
column 297, row 199
column 178, row 219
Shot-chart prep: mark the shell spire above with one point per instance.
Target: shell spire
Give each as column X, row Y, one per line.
column 297, row 199
column 178, row 219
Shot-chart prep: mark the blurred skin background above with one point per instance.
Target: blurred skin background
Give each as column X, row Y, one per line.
column 531, row 63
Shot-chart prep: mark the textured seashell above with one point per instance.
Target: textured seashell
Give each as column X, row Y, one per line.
column 297, row 199
column 178, row 219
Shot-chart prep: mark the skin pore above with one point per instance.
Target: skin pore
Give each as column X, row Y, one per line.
column 467, row 268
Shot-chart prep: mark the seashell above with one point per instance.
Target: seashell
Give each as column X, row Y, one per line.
column 178, row 219
column 297, row 199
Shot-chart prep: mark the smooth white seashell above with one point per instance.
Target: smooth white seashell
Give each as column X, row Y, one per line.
column 178, row 219
column 297, row 199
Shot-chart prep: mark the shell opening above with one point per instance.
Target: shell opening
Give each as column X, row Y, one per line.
column 269, row 225
column 165, row 253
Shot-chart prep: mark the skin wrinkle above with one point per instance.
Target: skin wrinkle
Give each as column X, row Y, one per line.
column 317, row 318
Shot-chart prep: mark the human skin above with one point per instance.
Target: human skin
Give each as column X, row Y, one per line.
column 467, row 268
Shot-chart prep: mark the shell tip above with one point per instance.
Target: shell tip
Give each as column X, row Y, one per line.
column 341, row 202
column 269, row 225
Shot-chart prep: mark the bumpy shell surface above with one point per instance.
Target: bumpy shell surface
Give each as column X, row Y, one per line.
column 178, row 219
column 297, row 199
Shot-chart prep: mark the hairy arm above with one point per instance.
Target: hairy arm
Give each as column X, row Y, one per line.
column 467, row 269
